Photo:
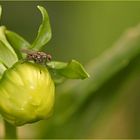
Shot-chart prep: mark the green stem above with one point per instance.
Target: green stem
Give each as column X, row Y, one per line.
column 10, row 131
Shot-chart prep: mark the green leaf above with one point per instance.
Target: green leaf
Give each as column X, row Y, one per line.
column 18, row 43
column 72, row 70
column 0, row 11
column 57, row 78
column 7, row 55
column 2, row 69
column 44, row 32
column 56, row 65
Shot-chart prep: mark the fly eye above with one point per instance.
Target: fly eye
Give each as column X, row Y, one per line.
column 49, row 57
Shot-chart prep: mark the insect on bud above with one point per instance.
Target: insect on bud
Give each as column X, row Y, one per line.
column 26, row 93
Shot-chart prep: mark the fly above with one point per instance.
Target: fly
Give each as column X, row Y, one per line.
column 37, row 56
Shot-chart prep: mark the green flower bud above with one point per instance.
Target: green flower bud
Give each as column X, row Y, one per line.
column 26, row 93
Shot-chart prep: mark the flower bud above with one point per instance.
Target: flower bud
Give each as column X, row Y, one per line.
column 26, row 93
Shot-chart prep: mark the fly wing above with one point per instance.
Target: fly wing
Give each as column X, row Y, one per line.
column 27, row 51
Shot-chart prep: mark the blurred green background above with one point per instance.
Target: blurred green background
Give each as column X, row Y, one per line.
column 82, row 31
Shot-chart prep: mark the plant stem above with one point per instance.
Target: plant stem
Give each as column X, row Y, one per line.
column 10, row 131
